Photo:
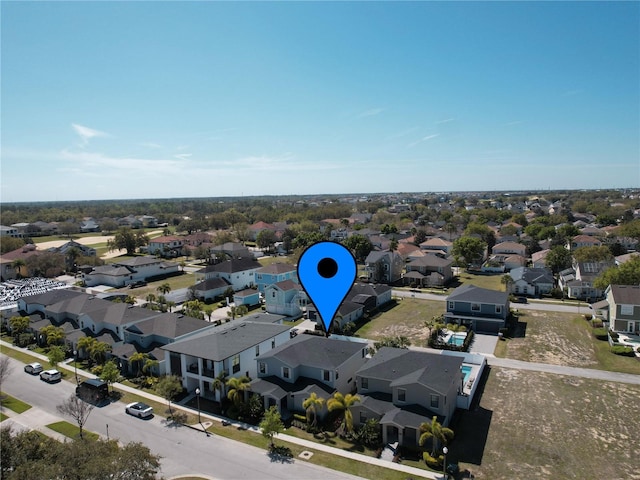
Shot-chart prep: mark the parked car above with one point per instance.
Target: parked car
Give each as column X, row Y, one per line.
column 139, row 283
column 520, row 300
column 93, row 390
column 33, row 368
column 139, row 409
column 51, row 376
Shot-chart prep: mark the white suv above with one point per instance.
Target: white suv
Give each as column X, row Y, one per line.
column 33, row 368
column 51, row 376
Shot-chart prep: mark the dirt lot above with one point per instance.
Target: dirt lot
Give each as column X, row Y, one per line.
column 544, row 426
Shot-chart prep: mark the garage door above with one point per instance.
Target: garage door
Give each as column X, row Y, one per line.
column 485, row 326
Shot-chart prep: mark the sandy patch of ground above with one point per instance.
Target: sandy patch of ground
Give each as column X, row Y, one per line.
column 82, row 241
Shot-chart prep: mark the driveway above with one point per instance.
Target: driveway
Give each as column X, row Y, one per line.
column 483, row 344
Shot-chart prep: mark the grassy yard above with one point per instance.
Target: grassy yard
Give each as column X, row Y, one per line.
column 179, row 281
column 526, row 424
column 269, row 260
column 72, row 431
column 13, row 403
column 562, row 339
column 405, row 318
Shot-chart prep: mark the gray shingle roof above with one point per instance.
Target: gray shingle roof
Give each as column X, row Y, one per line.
column 277, row 268
column 403, row 367
column 626, row 294
column 315, row 351
column 471, row 293
column 223, row 342
column 169, row 325
column 232, row 266
column 51, row 297
column 212, row 284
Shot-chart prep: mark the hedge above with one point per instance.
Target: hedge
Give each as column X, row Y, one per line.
column 600, row 333
column 622, row 350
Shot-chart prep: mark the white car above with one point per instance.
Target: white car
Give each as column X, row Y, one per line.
column 139, row 409
column 51, row 376
column 33, row 368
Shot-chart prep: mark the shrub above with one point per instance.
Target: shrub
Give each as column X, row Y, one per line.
column 596, row 323
column 434, row 463
column 300, row 417
column 614, row 335
column 622, row 350
column 588, row 316
column 600, row 333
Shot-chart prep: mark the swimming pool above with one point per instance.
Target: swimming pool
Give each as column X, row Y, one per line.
column 466, row 370
column 457, row 339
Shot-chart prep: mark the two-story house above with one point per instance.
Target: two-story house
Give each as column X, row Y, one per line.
column 624, row 308
column 531, row 281
column 404, row 388
column 583, row 241
column 437, row 244
column 383, row 267
column 274, row 273
column 166, row 246
column 429, row 270
column 479, row 309
column 126, row 272
column 285, row 298
column 239, row 272
column 308, row 363
column 231, row 348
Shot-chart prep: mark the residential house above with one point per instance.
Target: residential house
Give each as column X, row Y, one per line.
column 89, row 225
column 274, row 273
column 239, row 272
column 384, row 267
column 166, row 246
column 479, row 309
column 533, row 282
column 249, row 297
column 404, row 388
column 503, row 262
column 288, row 374
column 233, row 250
column 583, row 241
column 256, row 228
column 538, row 259
column 23, row 253
column 624, row 308
column 285, row 298
column 130, row 221
column 509, row 248
column 83, row 250
column 438, row 244
column 9, row 232
column 371, row 296
column 211, row 289
column 231, row 348
column 126, row 272
column 578, row 281
column 430, row 270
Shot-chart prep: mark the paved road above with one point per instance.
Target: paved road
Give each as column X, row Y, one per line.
column 563, row 370
column 184, row 451
column 546, row 305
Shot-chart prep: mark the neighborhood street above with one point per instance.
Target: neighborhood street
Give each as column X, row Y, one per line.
column 184, row 451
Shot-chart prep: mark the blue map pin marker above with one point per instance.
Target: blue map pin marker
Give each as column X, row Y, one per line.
column 326, row 271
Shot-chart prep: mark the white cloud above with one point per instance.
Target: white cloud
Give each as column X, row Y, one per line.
column 370, row 113
column 515, row 122
column 87, row 133
column 183, row 156
column 150, row 145
column 446, row 120
column 423, row 139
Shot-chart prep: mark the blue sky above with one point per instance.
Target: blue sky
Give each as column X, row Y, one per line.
column 104, row 100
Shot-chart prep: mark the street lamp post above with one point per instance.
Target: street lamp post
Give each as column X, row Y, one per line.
column 198, row 400
column 75, row 364
column 445, row 450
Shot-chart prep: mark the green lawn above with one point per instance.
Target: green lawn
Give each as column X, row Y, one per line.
column 179, row 281
column 19, row 355
column 3, row 417
column 269, row 260
column 72, row 431
column 13, row 403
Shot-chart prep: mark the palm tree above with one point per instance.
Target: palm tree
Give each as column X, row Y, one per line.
column 149, row 365
column 17, row 265
column 507, row 281
column 99, row 351
column 237, row 386
column 218, row 383
column 164, row 288
column 72, row 255
column 138, row 358
column 343, row 403
column 311, row 406
column 87, row 344
column 151, row 298
column 170, row 305
column 436, row 432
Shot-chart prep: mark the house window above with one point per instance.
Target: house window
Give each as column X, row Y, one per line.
column 285, row 372
column 475, row 307
column 435, row 401
column 402, row 395
column 273, row 344
column 337, row 374
column 262, row 367
column 257, row 350
column 364, row 383
column 236, row 364
column 273, row 294
column 626, row 309
column 498, row 308
column 451, row 305
column 326, row 375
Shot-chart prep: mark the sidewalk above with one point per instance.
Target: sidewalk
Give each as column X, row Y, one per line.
column 208, row 419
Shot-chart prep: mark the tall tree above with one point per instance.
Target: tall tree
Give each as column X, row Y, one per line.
column 18, row 265
column 343, row 403
column 77, row 409
column 164, row 288
column 507, row 281
column 359, row 245
column 558, row 259
column 471, row 249
column 5, row 369
column 436, row 432
column 271, row 424
column 55, row 355
column 236, row 386
column 110, row 373
column 53, row 335
column 627, row 273
column 168, row 387
column 219, row 383
column 311, row 406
